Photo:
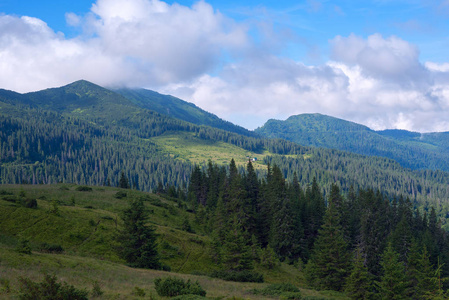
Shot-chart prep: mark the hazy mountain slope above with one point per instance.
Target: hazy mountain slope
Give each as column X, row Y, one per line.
column 410, row 149
column 180, row 109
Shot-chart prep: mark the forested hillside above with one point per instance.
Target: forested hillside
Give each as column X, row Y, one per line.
column 180, row 109
column 85, row 134
column 411, row 149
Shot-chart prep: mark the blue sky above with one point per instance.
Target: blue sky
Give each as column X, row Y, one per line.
column 380, row 63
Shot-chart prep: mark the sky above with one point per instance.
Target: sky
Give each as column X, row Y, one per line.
column 381, row 63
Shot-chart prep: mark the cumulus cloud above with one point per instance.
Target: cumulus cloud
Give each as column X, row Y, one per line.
column 375, row 81
column 135, row 42
column 203, row 56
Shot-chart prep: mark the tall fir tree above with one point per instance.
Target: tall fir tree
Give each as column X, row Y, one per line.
column 138, row 244
column 330, row 261
column 393, row 282
column 359, row 284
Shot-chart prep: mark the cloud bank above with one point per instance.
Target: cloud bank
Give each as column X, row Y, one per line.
column 203, row 56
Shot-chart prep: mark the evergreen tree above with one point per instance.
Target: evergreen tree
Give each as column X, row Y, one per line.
column 393, row 282
column 329, row 263
column 237, row 254
column 123, row 182
column 138, row 241
column 359, row 284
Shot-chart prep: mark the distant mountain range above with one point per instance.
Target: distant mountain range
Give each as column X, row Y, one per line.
column 411, row 149
column 85, row 134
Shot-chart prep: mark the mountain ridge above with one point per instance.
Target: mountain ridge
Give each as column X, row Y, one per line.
column 411, row 149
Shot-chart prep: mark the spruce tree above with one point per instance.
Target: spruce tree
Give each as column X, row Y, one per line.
column 237, row 254
column 123, row 183
column 393, row 282
column 138, row 241
column 329, row 263
column 359, row 284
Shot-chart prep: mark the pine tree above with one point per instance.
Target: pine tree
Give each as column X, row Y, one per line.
column 123, row 183
column 138, row 241
column 393, row 283
column 329, row 263
column 359, row 284
column 237, row 254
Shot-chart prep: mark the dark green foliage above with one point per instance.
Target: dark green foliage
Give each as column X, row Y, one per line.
column 329, row 263
column 120, row 195
column 188, row 297
column 5, row 285
column 411, row 149
column 238, row 276
column 49, row 289
column 172, row 286
column 276, row 289
column 169, row 105
column 139, row 292
column 96, row 290
column 393, row 282
column 236, row 250
column 83, row 188
column 138, row 241
column 51, row 248
column 23, row 246
column 359, row 283
column 123, row 182
column 29, row 203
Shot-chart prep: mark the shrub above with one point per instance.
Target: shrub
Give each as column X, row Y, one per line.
column 83, row 188
column 10, row 198
column 171, row 286
column 29, row 203
column 120, row 195
column 96, row 290
column 139, row 292
column 291, row 296
column 49, row 288
column 51, row 248
column 6, row 286
column 23, row 247
column 285, row 291
column 238, row 276
column 188, row 297
column 4, row 193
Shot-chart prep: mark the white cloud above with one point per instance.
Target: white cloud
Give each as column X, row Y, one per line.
column 134, row 42
column 200, row 55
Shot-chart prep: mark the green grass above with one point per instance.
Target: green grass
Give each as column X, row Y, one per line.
column 189, row 148
column 86, row 231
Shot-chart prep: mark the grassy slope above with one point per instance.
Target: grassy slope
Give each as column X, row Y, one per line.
column 86, row 232
column 186, row 146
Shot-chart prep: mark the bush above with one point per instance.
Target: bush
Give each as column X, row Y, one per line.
column 139, row 292
column 10, row 198
column 286, row 291
column 96, row 290
column 29, row 203
column 49, row 289
column 171, row 286
column 120, row 195
column 23, row 247
column 51, row 248
column 188, row 297
column 238, row 276
column 291, row 296
column 83, row 188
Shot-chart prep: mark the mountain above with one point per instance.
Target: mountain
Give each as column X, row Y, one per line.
column 411, row 149
column 85, row 134
column 179, row 109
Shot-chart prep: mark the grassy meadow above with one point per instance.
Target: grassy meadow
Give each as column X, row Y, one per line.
column 84, row 221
